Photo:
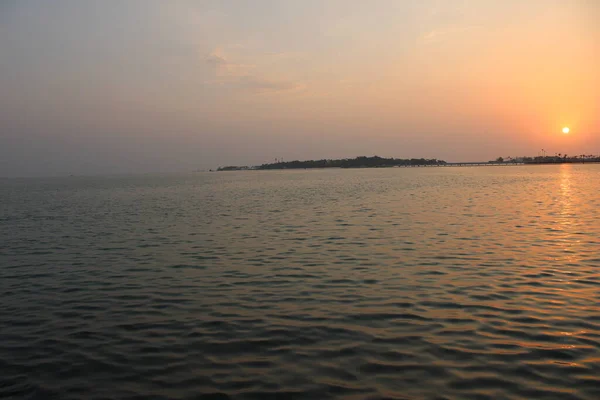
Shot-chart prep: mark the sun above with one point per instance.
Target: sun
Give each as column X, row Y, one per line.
column 566, row 130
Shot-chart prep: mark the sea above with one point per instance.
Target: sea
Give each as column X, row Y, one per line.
column 391, row 283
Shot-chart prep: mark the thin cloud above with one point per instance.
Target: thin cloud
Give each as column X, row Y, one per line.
column 438, row 35
column 216, row 60
column 256, row 85
column 224, row 67
column 259, row 85
column 244, row 76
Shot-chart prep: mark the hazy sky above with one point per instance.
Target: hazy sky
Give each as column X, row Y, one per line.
column 118, row 86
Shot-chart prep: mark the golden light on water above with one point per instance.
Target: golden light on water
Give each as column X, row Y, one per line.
column 566, row 130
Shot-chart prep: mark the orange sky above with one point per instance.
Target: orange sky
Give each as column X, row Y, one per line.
column 153, row 85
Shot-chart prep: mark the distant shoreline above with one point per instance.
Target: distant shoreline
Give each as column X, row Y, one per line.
column 358, row 162
column 379, row 162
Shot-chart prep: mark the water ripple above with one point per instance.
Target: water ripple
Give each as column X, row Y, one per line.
column 476, row 283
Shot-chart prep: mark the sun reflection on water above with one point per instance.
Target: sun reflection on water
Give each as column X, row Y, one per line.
column 567, row 216
column 565, row 191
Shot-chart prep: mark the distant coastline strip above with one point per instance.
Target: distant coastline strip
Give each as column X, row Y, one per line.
column 380, row 162
column 358, row 162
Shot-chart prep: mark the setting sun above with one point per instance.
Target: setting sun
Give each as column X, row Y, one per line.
column 566, row 130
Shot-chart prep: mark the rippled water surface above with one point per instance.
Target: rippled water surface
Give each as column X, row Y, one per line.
column 422, row 283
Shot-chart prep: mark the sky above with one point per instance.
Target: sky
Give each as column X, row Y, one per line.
column 136, row 86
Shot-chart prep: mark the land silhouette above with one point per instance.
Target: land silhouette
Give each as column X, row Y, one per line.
column 380, row 162
column 558, row 158
column 358, row 162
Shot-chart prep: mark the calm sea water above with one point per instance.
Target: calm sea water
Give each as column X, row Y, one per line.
column 425, row 283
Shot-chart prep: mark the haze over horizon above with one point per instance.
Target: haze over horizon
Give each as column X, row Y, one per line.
column 102, row 87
